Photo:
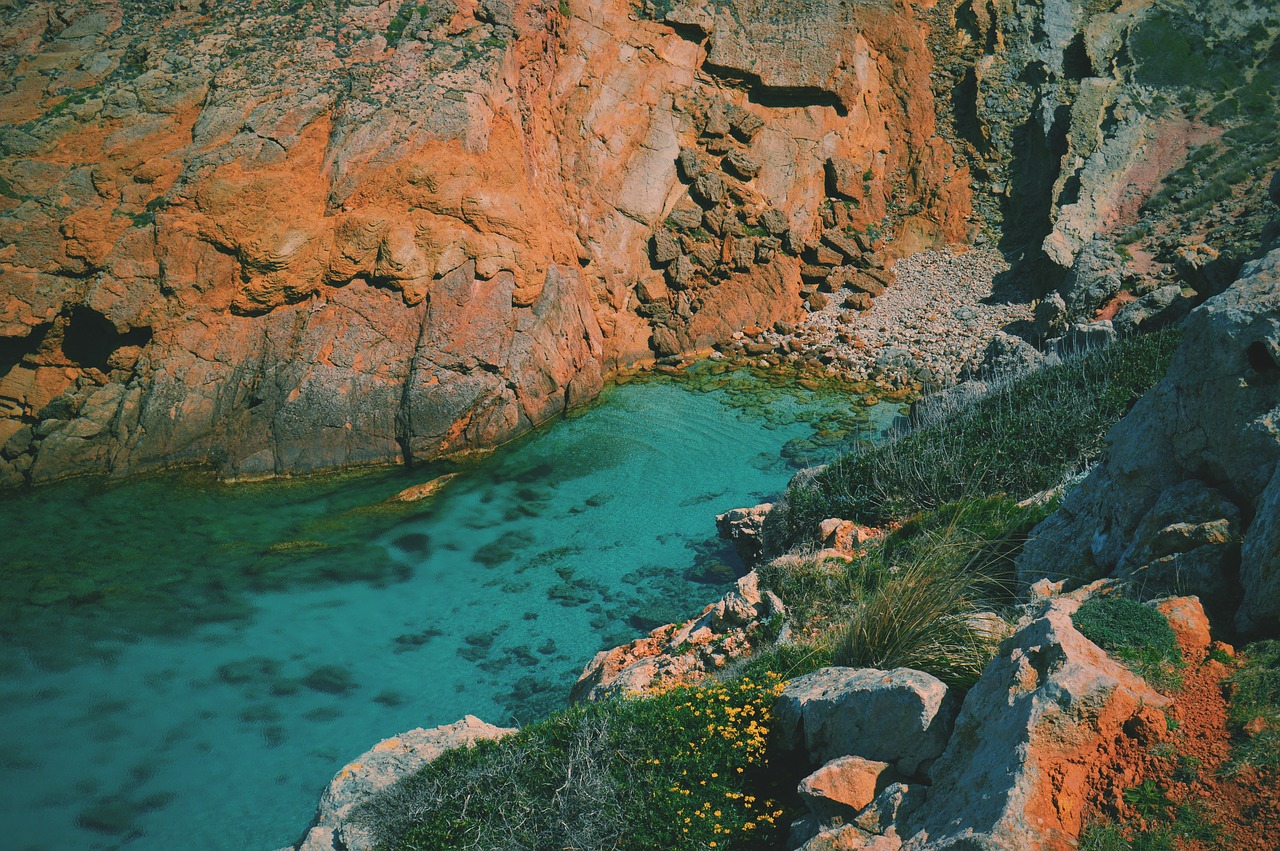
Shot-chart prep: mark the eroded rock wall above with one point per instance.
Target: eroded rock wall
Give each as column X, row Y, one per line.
column 274, row 238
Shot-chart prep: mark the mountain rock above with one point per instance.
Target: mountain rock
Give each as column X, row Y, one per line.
column 268, row 242
column 1190, row 471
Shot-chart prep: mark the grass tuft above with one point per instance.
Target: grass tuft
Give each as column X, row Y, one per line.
column 1254, row 709
column 925, row 597
column 1029, row 434
column 1136, row 634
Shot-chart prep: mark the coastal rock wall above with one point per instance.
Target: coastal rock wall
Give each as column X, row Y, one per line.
column 1185, row 497
column 273, row 239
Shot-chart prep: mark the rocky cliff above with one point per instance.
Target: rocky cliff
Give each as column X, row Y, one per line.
column 281, row 237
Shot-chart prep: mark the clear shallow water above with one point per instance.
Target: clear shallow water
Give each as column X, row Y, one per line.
column 186, row 664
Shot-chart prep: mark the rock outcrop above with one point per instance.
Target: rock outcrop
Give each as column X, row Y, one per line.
column 387, row 763
column 270, row 242
column 1185, row 498
column 1035, row 736
column 681, row 654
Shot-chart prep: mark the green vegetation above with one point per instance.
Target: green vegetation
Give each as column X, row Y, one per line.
column 1135, row 633
column 925, row 597
column 1254, row 708
column 1026, row 436
column 1162, row 824
column 933, row 611
column 598, row 777
column 1227, row 72
column 429, row 14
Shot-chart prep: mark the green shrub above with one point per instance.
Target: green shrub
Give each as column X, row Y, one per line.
column 1027, row 435
column 923, row 597
column 933, row 608
column 1255, row 693
column 1135, row 633
column 686, row 769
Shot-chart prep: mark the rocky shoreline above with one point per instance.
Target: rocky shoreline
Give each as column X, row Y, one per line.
column 936, row 314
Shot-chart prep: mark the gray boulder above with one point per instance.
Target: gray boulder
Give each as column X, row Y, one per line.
column 902, row 717
column 1158, row 309
column 1005, row 354
column 1260, row 582
column 387, row 763
column 1188, row 543
column 1094, row 278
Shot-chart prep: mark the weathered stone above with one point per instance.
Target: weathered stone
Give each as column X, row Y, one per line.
column 1260, row 562
column 709, row 188
column 1078, row 338
column 744, row 527
column 814, row 272
column 844, row 178
column 716, row 123
column 681, row 272
column 744, row 123
column 691, row 164
column 665, row 247
column 390, row 761
column 1043, row 718
column 848, row 837
column 774, row 222
column 692, row 14
column 901, row 716
column 1004, row 355
column 842, row 243
column 686, row 216
column 844, row 786
column 894, row 804
column 1213, row 419
column 714, row 221
column 1157, row 309
column 683, row 653
column 1050, row 317
column 857, row 301
column 664, row 342
column 858, row 280
column 1189, row 542
column 1094, row 278
column 652, row 289
column 741, row 164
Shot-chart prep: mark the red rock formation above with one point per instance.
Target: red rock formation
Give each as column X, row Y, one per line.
column 274, row 240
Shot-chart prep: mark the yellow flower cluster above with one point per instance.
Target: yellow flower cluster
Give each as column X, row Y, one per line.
column 736, row 715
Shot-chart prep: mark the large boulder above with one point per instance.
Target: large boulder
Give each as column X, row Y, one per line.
column 1040, row 729
column 902, row 717
column 389, row 762
column 1093, row 279
column 1210, row 427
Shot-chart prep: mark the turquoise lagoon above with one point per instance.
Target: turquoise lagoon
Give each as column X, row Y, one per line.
column 186, row 663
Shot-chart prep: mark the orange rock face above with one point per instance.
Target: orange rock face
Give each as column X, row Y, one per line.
column 274, row 242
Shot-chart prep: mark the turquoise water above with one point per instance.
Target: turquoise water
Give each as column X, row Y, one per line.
column 186, row 664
